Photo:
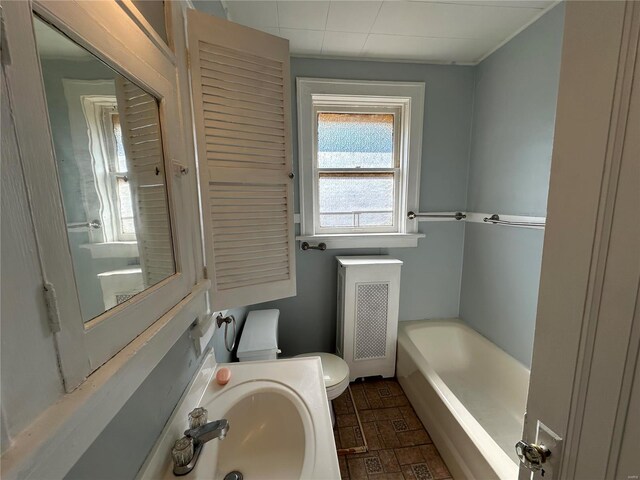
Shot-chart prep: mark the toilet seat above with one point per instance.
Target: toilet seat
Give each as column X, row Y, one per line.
column 335, row 371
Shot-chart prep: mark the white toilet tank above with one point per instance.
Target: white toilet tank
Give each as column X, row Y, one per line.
column 259, row 340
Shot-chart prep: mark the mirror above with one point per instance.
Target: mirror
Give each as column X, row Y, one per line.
column 108, row 147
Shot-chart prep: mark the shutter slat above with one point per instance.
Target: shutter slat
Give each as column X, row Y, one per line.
column 234, row 65
column 253, row 269
column 233, row 53
column 260, row 92
column 250, row 282
column 222, row 99
column 230, row 160
column 228, row 132
column 275, row 118
column 275, row 131
column 244, row 120
column 223, row 202
column 249, row 254
column 258, row 194
column 215, row 139
column 251, row 151
column 213, row 70
column 214, row 78
column 248, row 94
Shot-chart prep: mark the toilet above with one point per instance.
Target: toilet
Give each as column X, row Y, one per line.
column 336, row 376
column 259, row 341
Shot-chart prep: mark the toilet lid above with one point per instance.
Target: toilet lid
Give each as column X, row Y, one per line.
column 334, row 368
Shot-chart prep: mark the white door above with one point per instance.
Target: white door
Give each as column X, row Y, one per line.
column 240, row 84
column 587, row 335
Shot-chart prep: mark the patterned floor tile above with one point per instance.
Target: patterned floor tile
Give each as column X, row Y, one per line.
column 399, row 446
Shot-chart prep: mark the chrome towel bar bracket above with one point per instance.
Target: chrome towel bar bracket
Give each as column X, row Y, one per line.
column 321, row 246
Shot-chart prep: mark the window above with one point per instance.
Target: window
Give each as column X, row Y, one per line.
column 109, row 169
column 118, row 172
column 357, row 170
column 359, row 161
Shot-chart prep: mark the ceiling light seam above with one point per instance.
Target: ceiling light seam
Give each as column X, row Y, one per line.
column 474, row 4
column 326, row 17
column 423, row 36
column 324, row 30
column 370, row 28
column 384, row 60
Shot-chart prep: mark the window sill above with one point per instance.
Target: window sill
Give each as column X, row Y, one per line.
column 112, row 249
column 364, row 240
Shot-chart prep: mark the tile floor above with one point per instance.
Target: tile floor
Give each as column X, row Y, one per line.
column 399, row 446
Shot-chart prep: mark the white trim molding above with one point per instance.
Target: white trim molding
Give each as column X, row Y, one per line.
column 408, row 99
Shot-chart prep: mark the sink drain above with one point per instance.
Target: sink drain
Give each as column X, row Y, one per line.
column 235, row 475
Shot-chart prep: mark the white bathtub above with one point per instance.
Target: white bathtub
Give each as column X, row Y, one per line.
column 470, row 394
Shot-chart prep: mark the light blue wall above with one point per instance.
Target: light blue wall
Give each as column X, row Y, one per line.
column 500, row 285
column 513, row 124
column 513, row 121
column 431, row 273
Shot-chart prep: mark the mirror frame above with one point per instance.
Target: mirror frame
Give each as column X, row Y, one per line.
column 106, row 30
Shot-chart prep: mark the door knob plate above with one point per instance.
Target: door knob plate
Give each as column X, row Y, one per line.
column 532, row 455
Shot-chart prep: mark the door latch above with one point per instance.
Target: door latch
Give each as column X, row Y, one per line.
column 532, row 456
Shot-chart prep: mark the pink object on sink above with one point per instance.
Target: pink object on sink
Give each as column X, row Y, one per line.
column 223, row 376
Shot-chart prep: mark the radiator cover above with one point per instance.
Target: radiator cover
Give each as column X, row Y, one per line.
column 367, row 326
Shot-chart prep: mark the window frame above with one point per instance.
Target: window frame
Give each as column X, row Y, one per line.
column 397, row 170
column 406, row 100
column 83, row 347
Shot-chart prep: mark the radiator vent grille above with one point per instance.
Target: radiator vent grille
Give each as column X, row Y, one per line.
column 372, row 301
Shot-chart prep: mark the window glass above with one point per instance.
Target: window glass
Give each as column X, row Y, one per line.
column 356, row 176
column 350, row 201
column 354, row 140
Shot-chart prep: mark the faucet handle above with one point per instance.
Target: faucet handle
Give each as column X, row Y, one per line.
column 198, row 417
column 182, row 451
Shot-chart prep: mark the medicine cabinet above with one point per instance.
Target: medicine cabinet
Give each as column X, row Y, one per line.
column 113, row 193
column 99, row 131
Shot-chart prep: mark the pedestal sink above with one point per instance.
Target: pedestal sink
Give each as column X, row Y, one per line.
column 279, row 424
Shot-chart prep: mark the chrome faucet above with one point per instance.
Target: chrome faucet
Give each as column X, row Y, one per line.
column 186, row 450
column 209, row 431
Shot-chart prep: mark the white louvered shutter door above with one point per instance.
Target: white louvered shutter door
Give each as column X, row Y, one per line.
column 242, row 115
column 141, row 138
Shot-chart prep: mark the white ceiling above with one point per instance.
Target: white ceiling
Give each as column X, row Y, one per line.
column 439, row 31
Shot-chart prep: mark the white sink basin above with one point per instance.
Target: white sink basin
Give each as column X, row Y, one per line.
column 266, row 438
column 279, row 424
